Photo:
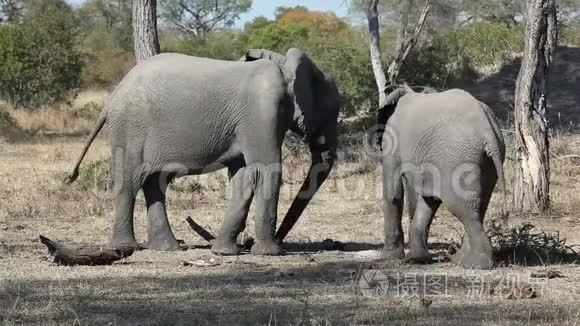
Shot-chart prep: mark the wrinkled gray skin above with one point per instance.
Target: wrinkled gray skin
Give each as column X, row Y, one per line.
column 176, row 115
column 446, row 148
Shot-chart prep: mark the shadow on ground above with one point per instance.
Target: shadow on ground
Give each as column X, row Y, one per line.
column 325, row 293
column 328, row 245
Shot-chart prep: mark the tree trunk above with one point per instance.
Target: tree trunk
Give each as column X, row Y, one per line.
column 375, row 47
column 145, row 29
column 532, row 183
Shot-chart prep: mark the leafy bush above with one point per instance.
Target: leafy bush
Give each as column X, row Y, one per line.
column 522, row 246
column 6, row 120
column 218, row 45
column 459, row 54
column 89, row 111
column 570, row 33
column 39, row 62
column 106, row 41
column 483, row 43
column 95, row 175
column 106, row 67
column 349, row 64
column 277, row 38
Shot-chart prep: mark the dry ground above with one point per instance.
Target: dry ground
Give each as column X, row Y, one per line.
column 310, row 285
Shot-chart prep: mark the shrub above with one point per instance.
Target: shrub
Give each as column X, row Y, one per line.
column 106, row 42
column 6, row 120
column 218, row 45
column 9, row 128
column 522, row 246
column 570, row 33
column 89, row 111
column 349, row 64
column 39, row 62
column 483, row 43
column 459, row 54
column 95, row 175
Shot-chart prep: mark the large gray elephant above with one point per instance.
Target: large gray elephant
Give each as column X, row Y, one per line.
column 442, row 148
column 175, row 115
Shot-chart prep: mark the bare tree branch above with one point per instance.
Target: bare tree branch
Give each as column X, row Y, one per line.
column 395, row 66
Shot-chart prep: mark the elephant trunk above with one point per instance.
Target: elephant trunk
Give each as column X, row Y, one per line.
column 319, row 170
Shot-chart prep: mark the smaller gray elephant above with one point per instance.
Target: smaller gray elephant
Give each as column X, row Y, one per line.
column 439, row 148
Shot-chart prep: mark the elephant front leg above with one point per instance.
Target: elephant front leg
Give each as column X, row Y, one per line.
column 242, row 192
column 267, row 193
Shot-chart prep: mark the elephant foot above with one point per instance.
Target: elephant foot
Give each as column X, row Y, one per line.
column 393, row 253
column 225, row 247
column 475, row 260
column 126, row 244
column 266, row 248
column 161, row 244
column 418, row 257
column 458, row 256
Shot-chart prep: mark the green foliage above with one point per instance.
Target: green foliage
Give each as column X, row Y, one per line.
column 39, row 62
column 6, row 120
column 90, row 111
column 431, row 66
column 106, row 41
column 349, row 64
column 277, row 38
column 95, row 175
column 220, row 45
column 484, row 43
column 334, row 45
column 570, row 34
column 460, row 53
column 256, row 24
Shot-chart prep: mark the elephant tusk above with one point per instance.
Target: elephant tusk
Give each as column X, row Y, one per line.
column 200, row 230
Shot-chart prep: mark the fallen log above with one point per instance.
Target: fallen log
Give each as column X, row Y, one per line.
column 200, row 230
column 84, row 255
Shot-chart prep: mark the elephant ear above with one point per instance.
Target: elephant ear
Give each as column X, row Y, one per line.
column 310, row 91
column 387, row 108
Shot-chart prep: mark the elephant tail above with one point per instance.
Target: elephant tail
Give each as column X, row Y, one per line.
column 75, row 172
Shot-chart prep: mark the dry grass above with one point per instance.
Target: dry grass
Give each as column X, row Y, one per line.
column 309, row 286
column 76, row 118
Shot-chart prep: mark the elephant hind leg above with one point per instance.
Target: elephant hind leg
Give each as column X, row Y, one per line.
column 393, row 202
column 476, row 251
column 419, row 229
column 124, row 192
column 268, row 182
column 160, row 235
column 410, row 198
column 242, row 192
